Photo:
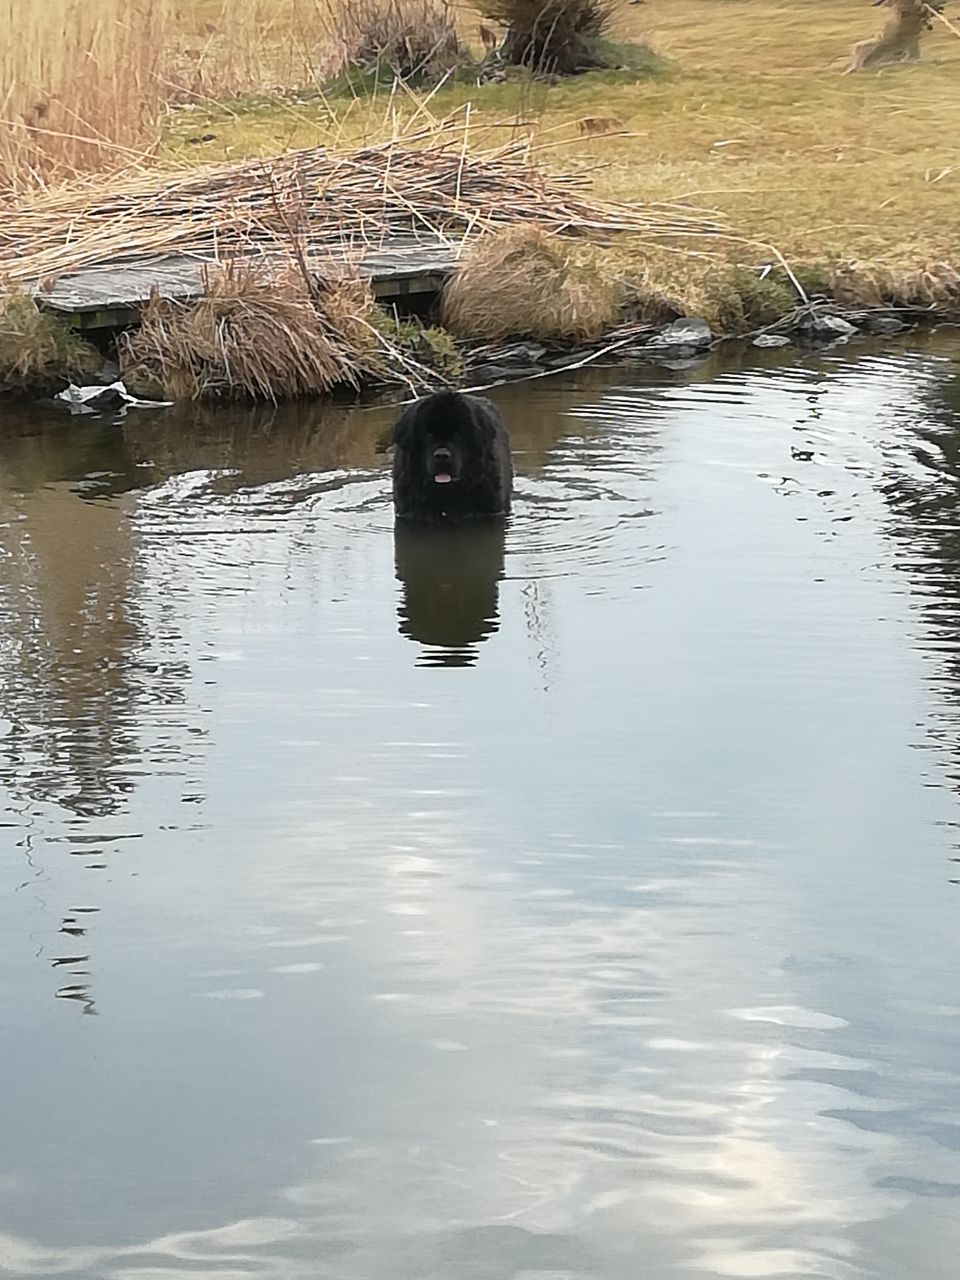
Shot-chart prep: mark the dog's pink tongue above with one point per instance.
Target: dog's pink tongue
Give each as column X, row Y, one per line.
column 441, row 478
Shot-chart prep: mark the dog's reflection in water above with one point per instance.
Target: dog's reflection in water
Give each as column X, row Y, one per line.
column 450, row 578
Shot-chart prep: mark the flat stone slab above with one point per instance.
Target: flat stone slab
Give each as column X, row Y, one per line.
column 113, row 296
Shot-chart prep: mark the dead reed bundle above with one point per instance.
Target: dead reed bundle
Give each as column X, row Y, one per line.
column 409, row 38
column 525, row 282
column 552, row 37
column 266, row 334
column 425, row 183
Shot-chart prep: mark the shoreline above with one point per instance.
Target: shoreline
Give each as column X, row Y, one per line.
column 683, row 343
column 683, row 188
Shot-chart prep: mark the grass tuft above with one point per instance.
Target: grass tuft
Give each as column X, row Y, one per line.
column 743, row 301
column 258, row 333
column 930, row 286
column 524, row 282
column 38, row 351
column 732, row 298
column 431, row 346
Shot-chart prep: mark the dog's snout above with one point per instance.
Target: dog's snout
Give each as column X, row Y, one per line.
column 442, row 455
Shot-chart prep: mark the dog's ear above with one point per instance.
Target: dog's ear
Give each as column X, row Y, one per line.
column 487, row 419
column 403, row 428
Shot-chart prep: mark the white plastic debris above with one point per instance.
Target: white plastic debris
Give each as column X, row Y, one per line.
column 115, row 397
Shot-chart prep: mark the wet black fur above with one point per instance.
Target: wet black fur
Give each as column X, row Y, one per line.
column 459, row 435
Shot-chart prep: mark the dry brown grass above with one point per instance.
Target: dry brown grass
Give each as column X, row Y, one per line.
column 83, row 86
column 753, row 118
column 264, row 334
column 87, row 83
column 525, row 282
column 931, row 286
column 738, row 299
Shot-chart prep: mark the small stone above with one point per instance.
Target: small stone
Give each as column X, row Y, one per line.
column 484, row 373
column 679, row 352
column 883, row 324
column 688, row 331
column 826, row 328
column 489, row 373
column 521, row 353
column 771, row 340
column 109, row 373
column 561, row 362
column 678, row 363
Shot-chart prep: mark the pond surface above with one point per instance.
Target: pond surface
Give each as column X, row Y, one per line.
column 580, row 906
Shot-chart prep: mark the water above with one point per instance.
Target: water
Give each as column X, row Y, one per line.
column 582, row 906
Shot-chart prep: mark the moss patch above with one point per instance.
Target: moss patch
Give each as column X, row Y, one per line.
column 429, row 345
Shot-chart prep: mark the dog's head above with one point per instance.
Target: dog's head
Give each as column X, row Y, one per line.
column 451, row 458
column 443, row 438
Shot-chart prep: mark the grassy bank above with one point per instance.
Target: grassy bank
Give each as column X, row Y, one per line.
column 845, row 184
column 750, row 112
column 751, row 115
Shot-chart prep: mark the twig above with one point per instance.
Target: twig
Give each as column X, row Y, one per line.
column 400, row 359
column 463, row 159
column 935, row 13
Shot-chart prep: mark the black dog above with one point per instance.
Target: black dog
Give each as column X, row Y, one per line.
column 452, row 459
